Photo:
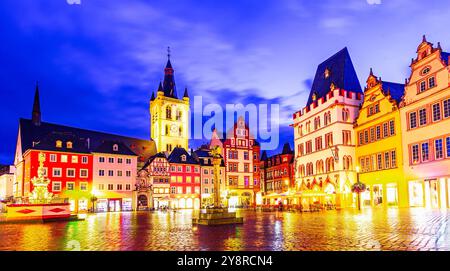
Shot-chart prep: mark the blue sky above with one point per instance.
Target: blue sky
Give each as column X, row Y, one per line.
column 98, row 62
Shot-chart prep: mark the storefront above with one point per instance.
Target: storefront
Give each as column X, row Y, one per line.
column 114, row 205
column 431, row 193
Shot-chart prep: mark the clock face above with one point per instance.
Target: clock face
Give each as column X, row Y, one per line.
column 174, row 129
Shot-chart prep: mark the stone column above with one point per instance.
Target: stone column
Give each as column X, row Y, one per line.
column 216, row 162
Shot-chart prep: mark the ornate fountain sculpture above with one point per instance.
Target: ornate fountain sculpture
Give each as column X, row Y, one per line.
column 40, row 194
column 40, row 206
column 217, row 215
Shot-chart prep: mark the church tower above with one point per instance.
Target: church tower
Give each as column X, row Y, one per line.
column 169, row 114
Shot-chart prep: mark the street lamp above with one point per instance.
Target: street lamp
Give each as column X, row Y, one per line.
column 358, row 187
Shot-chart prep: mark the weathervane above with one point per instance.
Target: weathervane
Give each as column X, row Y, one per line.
column 168, row 52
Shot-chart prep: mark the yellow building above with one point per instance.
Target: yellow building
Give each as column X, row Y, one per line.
column 379, row 147
column 169, row 115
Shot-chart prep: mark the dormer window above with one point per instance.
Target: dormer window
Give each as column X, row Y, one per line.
column 326, row 73
column 183, row 158
column 58, row 143
column 69, row 144
column 314, row 96
column 115, row 147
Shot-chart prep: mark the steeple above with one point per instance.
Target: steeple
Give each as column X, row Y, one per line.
column 186, row 95
column 168, row 86
column 36, row 113
column 153, row 96
column 160, row 88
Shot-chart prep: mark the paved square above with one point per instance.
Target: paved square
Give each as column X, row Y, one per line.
column 371, row 229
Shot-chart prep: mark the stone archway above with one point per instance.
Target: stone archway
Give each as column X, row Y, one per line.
column 142, row 202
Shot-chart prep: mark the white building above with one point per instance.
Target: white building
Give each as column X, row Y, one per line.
column 114, row 176
column 323, row 135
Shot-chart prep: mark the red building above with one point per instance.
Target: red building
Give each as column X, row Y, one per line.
column 69, row 159
column 277, row 175
column 68, row 164
column 184, row 180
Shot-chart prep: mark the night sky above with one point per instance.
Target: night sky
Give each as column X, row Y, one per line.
column 98, row 62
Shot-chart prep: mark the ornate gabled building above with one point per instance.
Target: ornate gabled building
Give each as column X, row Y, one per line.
column 169, row 114
column 324, row 136
column 425, row 119
column 241, row 154
column 379, row 144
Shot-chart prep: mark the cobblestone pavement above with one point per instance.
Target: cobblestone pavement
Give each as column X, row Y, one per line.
column 377, row 229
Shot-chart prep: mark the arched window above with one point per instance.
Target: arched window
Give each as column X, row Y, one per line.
column 345, row 114
column 179, row 115
column 168, row 112
column 301, row 170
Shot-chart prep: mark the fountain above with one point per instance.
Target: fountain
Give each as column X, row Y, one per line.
column 218, row 215
column 41, row 206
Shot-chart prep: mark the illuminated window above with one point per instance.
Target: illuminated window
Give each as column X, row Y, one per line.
column 392, row 127
column 412, row 120
column 431, row 82
column 438, row 148
column 74, row 159
column 168, row 112
column 422, row 116
column 425, row 152
column 56, row 172
column 115, row 147
column 415, row 153
column 52, row 157
column 386, row 160
column 83, row 186
column 110, row 187
column 56, row 186
column 393, row 159
column 447, row 144
column 83, row 173
column 446, row 108
column 436, row 112
column 423, row 86
column 70, row 186
column 64, row 158
column 379, row 161
column 58, row 143
column 385, row 130
column 183, row 158
column 69, row 144
column 70, row 173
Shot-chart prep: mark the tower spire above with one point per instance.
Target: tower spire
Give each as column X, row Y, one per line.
column 168, row 85
column 36, row 113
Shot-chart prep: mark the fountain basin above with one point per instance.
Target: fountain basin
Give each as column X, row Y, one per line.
column 36, row 212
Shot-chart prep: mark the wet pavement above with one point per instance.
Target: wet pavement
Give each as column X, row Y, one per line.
column 370, row 229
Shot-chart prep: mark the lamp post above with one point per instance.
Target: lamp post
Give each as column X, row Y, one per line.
column 358, row 187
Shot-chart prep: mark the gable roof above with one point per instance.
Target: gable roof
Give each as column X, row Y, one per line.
column 150, row 160
column 394, row 89
column 341, row 73
column 93, row 139
column 108, row 147
column 175, row 157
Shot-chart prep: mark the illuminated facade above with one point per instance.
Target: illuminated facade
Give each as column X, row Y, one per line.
column 6, row 183
column 379, row 144
column 324, row 138
column 277, row 178
column 425, row 119
column 238, row 150
column 205, row 159
column 69, row 159
column 156, row 184
column 184, row 180
column 169, row 115
column 114, row 170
